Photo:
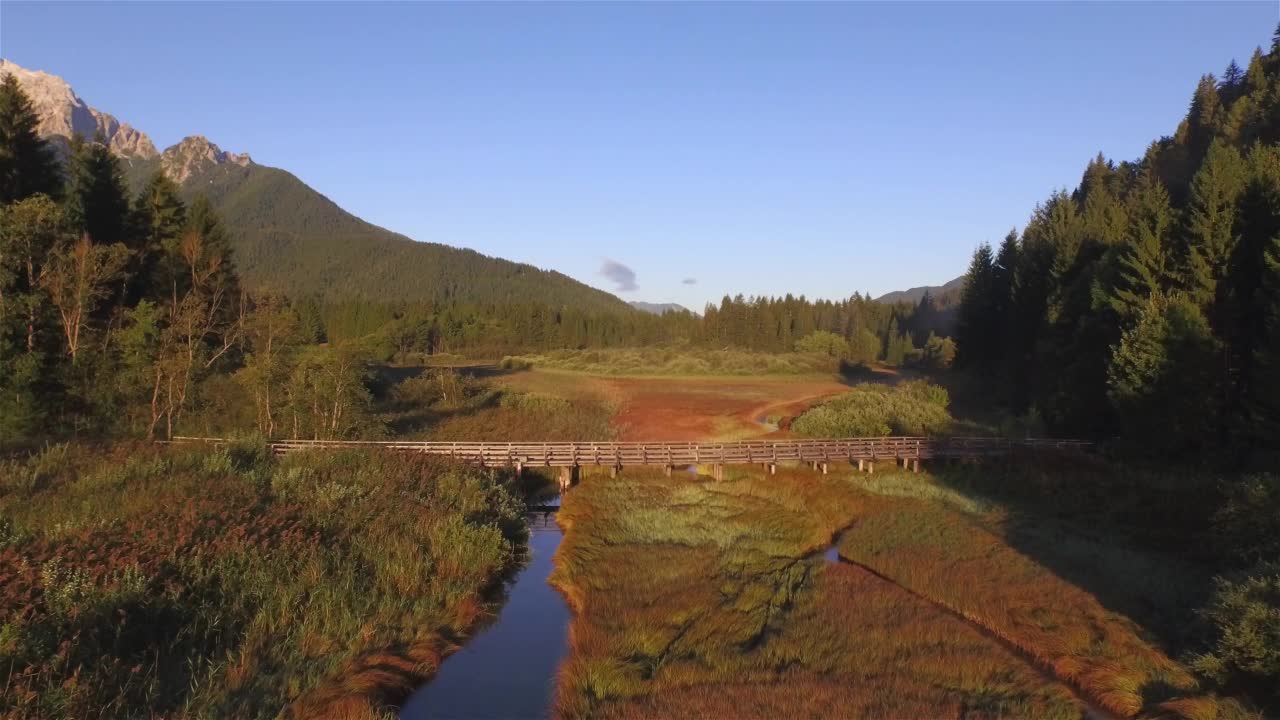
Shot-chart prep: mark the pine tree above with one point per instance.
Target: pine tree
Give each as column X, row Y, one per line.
column 160, row 218
column 203, row 221
column 1208, row 237
column 1160, row 376
column 1243, row 303
column 974, row 336
column 1232, row 77
column 1205, row 118
column 97, row 200
column 1141, row 269
column 27, row 163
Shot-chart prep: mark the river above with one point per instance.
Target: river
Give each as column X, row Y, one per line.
column 508, row 669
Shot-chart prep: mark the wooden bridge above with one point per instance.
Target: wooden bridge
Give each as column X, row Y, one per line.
column 569, row 456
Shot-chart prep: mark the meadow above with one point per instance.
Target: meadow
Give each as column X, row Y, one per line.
column 141, row 581
column 706, row 599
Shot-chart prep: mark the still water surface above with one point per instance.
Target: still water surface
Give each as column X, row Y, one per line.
column 508, row 670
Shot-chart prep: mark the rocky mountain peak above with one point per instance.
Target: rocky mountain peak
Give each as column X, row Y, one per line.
column 196, row 154
column 63, row 114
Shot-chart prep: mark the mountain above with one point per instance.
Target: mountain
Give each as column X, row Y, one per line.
column 944, row 295
column 289, row 237
column 658, row 308
column 63, row 114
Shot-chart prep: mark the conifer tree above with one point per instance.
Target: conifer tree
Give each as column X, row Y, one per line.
column 159, row 218
column 1208, row 236
column 27, row 163
column 98, row 202
column 1205, row 118
column 1141, row 270
column 204, row 222
column 974, row 337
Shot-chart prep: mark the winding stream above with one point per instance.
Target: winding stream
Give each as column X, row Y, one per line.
column 507, row 670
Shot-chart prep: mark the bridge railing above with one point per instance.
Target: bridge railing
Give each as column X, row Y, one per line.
column 618, row 454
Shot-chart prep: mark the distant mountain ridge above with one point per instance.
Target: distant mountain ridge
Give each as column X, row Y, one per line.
column 658, row 308
column 289, row 237
column 944, row 295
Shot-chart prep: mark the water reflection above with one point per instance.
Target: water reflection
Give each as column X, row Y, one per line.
column 507, row 670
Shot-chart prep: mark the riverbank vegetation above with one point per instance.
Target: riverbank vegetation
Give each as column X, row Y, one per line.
column 139, row 581
column 696, row 596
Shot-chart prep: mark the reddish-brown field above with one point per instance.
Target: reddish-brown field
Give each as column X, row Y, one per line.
column 688, row 408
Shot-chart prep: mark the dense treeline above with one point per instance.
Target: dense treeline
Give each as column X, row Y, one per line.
column 858, row 329
column 1145, row 304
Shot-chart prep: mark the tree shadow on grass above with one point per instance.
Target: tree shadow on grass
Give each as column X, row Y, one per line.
column 1134, row 545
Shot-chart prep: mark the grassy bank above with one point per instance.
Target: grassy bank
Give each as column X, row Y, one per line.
column 710, row 599
column 139, row 581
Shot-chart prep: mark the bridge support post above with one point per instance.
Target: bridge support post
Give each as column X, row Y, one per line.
column 717, row 472
column 666, row 470
column 823, row 466
column 773, row 468
column 861, row 464
column 871, row 467
column 915, row 465
column 568, row 477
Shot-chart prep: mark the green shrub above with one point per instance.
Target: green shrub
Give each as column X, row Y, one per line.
column 1245, row 615
column 913, row 408
column 1247, row 526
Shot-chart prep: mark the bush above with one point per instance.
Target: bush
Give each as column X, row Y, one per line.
column 821, row 342
column 1247, row 526
column 913, row 408
column 1245, row 614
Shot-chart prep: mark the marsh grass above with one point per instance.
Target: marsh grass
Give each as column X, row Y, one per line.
column 702, row 599
column 138, row 581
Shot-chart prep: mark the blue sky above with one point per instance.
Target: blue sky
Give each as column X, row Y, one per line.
column 756, row 148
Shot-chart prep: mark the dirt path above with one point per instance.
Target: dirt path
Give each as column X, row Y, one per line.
column 712, row 409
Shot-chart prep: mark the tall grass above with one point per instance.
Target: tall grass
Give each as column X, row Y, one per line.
column 223, row 583
column 676, row 362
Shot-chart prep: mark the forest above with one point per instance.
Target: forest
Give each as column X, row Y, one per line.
column 1143, row 307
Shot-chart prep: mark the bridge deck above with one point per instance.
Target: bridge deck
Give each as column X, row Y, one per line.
column 622, row 454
